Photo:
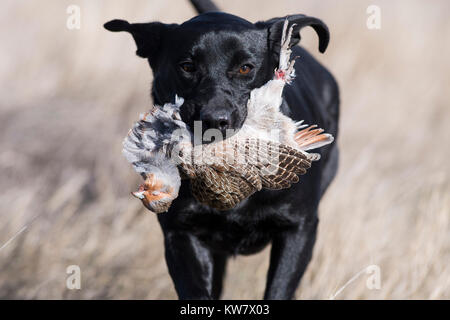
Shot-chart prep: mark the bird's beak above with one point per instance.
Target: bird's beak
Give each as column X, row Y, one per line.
column 140, row 193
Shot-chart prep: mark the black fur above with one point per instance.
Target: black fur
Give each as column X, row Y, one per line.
column 198, row 240
column 203, row 6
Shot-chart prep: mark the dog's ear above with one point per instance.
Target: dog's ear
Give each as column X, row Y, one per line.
column 146, row 35
column 275, row 27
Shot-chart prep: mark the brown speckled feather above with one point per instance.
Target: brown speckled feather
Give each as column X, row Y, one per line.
column 223, row 182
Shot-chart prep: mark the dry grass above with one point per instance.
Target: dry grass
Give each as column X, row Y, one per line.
column 68, row 98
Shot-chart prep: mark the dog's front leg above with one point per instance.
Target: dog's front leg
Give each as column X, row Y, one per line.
column 290, row 254
column 190, row 265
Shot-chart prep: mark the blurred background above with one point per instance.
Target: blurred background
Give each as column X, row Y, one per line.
column 68, row 97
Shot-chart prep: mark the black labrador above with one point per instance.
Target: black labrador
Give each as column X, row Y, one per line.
column 213, row 61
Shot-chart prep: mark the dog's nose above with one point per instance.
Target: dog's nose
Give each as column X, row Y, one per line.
column 221, row 121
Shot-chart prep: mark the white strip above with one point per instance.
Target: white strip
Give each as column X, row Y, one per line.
column 356, row 276
column 19, row 232
column 13, row 237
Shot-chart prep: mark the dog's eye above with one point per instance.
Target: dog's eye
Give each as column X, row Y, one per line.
column 245, row 69
column 187, row 66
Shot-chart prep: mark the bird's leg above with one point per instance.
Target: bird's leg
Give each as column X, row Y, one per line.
column 285, row 70
column 154, row 194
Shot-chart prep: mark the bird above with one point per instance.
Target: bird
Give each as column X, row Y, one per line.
column 223, row 173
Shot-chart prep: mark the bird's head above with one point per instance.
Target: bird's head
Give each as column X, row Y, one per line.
column 155, row 195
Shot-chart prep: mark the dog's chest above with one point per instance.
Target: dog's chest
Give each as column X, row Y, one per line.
column 244, row 230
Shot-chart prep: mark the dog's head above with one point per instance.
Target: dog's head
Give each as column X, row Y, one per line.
column 213, row 61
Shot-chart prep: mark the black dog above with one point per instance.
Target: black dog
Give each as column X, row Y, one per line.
column 213, row 61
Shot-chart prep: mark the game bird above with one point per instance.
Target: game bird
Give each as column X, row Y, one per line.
column 269, row 151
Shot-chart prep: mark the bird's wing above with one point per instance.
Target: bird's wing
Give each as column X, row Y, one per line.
column 278, row 165
column 153, row 134
column 233, row 170
column 221, row 178
column 220, row 190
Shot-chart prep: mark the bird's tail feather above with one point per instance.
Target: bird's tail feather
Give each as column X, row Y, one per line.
column 312, row 138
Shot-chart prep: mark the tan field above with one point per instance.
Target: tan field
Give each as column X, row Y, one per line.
column 68, row 97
